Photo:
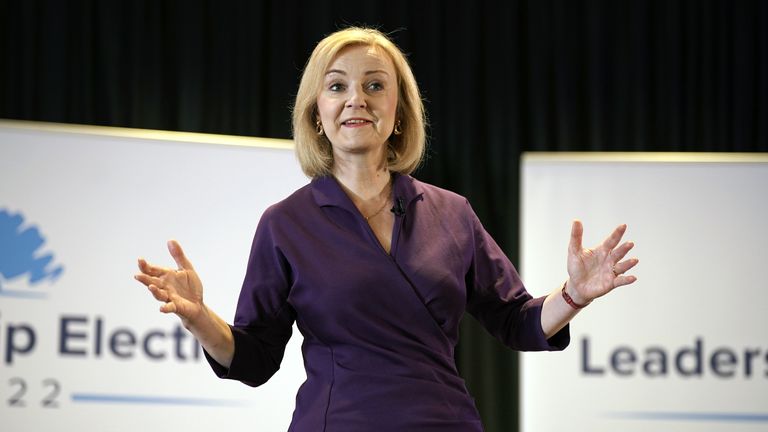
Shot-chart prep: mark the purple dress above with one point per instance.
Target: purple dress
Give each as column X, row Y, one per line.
column 379, row 329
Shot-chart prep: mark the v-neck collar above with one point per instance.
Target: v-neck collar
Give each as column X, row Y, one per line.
column 327, row 191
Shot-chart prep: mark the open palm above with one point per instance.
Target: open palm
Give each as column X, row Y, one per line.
column 595, row 272
column 180, row 290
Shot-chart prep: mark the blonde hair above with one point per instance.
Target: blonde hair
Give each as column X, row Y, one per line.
column 314, row 151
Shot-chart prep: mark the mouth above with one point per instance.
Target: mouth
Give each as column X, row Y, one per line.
column 356, row 122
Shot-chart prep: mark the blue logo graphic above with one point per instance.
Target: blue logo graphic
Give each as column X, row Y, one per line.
column 21, row 255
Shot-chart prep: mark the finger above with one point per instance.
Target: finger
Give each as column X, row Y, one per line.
column 178, row 255
column 577, row 231
column 624, row 266
column 623, row 280
column 147, row 279
column 612, row 240
column 620, row 252
column 143, row 278
column 169, row 307
column 159, row 294
column 150, row 269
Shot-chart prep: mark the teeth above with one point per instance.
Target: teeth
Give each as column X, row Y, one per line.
column 355, row 121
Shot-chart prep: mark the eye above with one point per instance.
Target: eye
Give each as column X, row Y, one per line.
column 336, row 87
column 375, row 86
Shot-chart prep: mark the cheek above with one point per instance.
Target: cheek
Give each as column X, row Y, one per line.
column 322, row 108
column 327, row 108
column 392, row 105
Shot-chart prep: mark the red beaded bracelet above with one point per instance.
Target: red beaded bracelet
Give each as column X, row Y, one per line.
column 570, row 301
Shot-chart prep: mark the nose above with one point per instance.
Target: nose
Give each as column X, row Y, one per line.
column 356, row 98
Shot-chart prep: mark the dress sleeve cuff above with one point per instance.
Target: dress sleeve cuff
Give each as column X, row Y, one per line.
column 538, row 341
column 236, row 367
column 257, row 356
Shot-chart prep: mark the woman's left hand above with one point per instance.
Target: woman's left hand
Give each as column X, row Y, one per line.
column 596, row 272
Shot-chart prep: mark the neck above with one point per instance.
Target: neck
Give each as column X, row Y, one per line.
column 362, row 179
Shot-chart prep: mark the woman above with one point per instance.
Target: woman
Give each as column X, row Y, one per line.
column 375, row 267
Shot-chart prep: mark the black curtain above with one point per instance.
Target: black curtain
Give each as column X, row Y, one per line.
column 499, row 78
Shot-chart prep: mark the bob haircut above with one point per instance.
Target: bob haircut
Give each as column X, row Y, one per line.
column 314, row 151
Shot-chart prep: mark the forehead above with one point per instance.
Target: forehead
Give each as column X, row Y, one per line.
column 362, row 58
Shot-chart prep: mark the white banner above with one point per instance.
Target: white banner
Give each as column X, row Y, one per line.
column 685, row 348
column 82, row 344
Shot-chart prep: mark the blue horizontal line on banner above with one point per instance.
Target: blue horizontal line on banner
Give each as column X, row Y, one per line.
column 692, row 416
column 22, row 294
column 152, row 400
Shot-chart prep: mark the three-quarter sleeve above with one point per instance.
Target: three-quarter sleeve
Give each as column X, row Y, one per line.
column 497, row 298
column 264, row 318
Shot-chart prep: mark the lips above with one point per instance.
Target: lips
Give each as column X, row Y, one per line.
column 355, row 122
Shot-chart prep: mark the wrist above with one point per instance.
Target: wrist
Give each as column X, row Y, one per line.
column 200, row 319
column 573, row 299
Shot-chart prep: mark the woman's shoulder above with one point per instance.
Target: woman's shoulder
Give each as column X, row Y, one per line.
column 437, row 195
column 291, row 206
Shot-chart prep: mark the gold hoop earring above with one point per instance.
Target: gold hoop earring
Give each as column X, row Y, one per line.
column 319, row 128
column 397, row 130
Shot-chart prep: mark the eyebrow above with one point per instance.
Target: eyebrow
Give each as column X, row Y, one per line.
column 370, row 72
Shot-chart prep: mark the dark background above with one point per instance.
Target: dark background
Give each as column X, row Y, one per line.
column 499, row 78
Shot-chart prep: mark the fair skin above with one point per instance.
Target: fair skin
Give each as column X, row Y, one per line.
column 357, row 108
column 592, row 273
column 181, row 293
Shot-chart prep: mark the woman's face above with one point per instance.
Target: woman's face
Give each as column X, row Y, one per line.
column 358, row 100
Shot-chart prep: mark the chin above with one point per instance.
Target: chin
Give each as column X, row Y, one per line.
column 361, row 145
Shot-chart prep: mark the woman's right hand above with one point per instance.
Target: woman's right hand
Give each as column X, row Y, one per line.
column 180, row 290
